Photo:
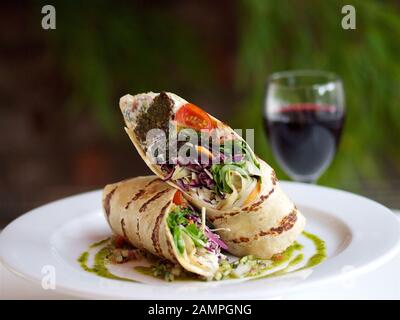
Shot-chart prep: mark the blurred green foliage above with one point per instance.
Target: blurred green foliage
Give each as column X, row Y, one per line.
column 307, row 34
column 108, row 49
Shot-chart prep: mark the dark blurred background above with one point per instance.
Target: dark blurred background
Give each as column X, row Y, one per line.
column 61, row 131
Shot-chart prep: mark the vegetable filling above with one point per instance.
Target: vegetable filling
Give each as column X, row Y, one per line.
column 218, row 166
column 191, row 235
column 232, row 181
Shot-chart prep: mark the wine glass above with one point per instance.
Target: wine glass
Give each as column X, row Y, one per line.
column 304, row 112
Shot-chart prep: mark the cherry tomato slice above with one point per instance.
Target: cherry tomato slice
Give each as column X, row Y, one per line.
column 178, row 198
column 190, row 115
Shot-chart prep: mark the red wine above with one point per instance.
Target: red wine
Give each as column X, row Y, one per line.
column 304, row 138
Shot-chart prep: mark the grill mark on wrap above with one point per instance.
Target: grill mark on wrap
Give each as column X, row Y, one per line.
column 153, row 198
column 171, row 251
column 123, row 228
column 140, row 193
column 135, row 197
column 274, row 179
column 257, row 204
column 286, row 224
column 137, row 229
column 252, row 207
column 155, row 236
column 107, row 200
column 264, row 197
column 152, row 181
column 144, row 206
column 240, row 240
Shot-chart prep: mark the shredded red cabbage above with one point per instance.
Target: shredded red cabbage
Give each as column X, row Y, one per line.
column 214, row 241
column 215, row 238
column 182, row 185
column 203, row 178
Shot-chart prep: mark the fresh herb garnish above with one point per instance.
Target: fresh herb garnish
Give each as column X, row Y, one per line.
column 196, row 234
column 238, row 151
column 179, row 223
column 222, row 175
column 239, row 158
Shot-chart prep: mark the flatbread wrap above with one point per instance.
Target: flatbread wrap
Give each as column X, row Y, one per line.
column 221, row 173
column 151, row 215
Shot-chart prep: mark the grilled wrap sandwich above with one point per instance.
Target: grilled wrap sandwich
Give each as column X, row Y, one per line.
column 239, row 190
column 152, row 215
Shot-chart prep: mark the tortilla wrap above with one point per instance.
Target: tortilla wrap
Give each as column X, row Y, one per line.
column 264, row 226
column 137, row 209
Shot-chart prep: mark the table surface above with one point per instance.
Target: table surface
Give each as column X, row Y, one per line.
column 383, row 283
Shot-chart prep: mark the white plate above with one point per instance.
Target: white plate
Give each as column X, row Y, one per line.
column 360, row 235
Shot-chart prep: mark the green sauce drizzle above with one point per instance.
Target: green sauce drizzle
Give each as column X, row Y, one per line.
column 286, row 255
column 100, row 261
column 320, row 248
column 99, row 243
column 299, row 258
column 257, row 267
column 319, row 256
column 144, row 270
column 83, row 259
